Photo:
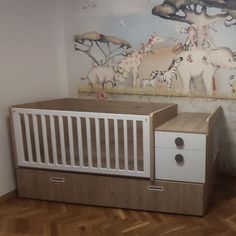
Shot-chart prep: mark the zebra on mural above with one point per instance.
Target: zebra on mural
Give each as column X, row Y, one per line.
column 165, row 76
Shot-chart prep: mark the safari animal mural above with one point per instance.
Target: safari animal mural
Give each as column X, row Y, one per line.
column 187, row 49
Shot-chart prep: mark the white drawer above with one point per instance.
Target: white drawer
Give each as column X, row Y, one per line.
column 191, row 169
column 190, row 141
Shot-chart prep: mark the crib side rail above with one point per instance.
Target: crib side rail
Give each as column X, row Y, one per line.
column 104, row 143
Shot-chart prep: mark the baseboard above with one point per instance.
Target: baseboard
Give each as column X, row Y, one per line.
column 8, row 196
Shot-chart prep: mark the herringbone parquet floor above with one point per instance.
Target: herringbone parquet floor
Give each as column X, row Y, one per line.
column 30, row 217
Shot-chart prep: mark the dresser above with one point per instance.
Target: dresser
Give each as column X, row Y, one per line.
column 186, row 148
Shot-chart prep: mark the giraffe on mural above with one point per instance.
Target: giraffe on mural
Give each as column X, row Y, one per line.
column 132, row 62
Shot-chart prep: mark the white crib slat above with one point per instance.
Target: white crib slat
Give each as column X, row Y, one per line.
column 89, row 145
column 62, row 140
column 71, row 141
column 80, row 142
column 116, row 138
column 18, row 137
column 28, row 138
column 146, row 147
column 53, row 137
column 135, row 144
column 36, row 138
column 98, row 143
column 125, row 144
column 107, row 144
column 45, row 139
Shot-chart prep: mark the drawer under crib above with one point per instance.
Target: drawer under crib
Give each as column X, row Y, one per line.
column 112, row 191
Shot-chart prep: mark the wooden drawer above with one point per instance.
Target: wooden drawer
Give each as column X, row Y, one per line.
column 175, row 197
column 180, row 165
column 111, row 191
column 46, row 185
column 190, row 141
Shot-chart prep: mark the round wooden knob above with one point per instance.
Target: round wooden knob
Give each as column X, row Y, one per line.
column 179, row 142
column 179, row 159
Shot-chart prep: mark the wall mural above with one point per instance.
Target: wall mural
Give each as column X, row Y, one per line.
column 187, row 49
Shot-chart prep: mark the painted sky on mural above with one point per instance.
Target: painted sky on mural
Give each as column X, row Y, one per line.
column 132, row 20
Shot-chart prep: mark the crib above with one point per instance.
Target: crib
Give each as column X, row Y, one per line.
column 105, row 153
column 81, row 135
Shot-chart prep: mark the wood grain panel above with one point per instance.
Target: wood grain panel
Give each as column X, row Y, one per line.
column 183, row 198
column 214, row 125
column 187, row 122
column 91, row 105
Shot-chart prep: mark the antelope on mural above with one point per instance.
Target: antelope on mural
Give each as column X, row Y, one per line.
column 132, row 62
column 190, row 42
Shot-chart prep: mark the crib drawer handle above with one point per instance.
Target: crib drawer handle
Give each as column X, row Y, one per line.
column 156, row 188
column 179, row 142
column 57, row 179
column 179, row 159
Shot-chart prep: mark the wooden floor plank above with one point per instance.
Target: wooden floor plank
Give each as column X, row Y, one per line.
column 21, row 217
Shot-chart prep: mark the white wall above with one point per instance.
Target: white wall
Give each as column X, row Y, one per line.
column 31, row 64
column 75, row 63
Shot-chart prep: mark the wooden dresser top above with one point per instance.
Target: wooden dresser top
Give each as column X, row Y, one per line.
column 187, row 122
column 92, row 105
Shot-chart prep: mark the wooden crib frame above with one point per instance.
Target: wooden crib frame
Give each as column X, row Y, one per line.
column 101, row 153
column 35, row 125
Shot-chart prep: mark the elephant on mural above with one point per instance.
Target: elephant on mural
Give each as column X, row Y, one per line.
column 203, row 64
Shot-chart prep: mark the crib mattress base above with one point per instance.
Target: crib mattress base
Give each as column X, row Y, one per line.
column 112, row 191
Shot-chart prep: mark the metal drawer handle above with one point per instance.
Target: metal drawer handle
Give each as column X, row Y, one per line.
column 179, row 142
column 156, row 188
column 179, row 159
column 57, row 179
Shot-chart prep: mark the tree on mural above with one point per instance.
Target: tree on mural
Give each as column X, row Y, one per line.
column 109, row 47
column 196, row 11
column 196, row 14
